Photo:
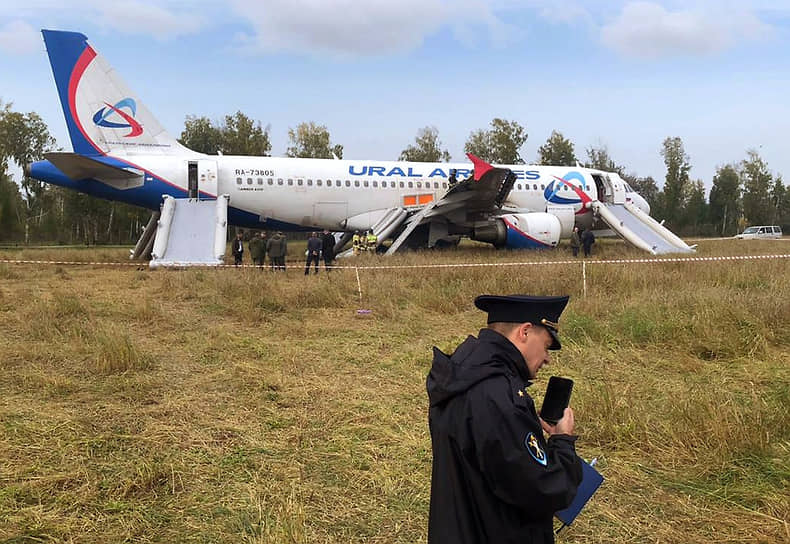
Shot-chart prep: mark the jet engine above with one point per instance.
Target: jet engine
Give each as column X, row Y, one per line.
column 520, row 231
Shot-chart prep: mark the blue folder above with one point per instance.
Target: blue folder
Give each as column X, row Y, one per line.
column 591, row 481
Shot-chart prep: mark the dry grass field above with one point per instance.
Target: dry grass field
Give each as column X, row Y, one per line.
column 237, row 405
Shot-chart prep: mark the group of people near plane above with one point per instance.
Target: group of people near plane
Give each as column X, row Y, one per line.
column 583, row 239
column 367, row 241
column 276, row 247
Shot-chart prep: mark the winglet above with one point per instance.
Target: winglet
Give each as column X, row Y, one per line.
column 481, row 166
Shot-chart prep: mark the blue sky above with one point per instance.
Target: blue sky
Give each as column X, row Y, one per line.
column 625, row 74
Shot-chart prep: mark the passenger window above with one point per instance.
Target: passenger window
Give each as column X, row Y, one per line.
column 310, row 182
column 411, row 185
column 542, row 187
column 318, row 182
column 356, row 183
column 419, row 185
column 535, row 186
column 444, row 185
column 519, row 186
column 279, row 181
column 365, row 183
column 337, row 182
column 401, row 185
column 238, row 181
column 299, row 182
column 260, row 181
column 271, row 181
column 348, row 183
column 290, row 182
column 249, row 181
column 376, row 183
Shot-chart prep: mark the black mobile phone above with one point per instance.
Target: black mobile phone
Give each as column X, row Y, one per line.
column 558, row 395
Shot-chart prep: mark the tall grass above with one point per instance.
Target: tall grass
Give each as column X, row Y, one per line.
column 244, row 406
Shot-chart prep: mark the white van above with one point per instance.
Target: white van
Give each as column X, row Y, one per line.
column 752, row 233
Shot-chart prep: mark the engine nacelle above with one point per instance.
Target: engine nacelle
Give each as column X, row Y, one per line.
column 521, row 231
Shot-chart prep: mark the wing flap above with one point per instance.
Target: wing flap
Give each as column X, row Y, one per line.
column 77, row 167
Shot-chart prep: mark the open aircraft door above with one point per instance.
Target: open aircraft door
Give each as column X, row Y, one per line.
column 202, row 176
column 610, row 188
column 617, row 188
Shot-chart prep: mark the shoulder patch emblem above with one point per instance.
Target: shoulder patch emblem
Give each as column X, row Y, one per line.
column 533, row 447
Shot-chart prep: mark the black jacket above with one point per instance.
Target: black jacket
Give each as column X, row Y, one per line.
column 328, row 246
column 588, row 238
column 495, row 479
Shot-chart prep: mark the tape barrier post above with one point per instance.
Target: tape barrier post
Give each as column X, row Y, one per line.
column 359, row 284
column 584, row 279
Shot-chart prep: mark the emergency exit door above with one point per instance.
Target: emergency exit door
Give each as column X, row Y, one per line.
column 202, row 179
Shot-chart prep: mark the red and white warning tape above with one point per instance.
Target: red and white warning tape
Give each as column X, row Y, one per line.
column 298, row 264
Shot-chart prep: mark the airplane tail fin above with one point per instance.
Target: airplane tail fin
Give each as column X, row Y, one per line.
column 102, row 114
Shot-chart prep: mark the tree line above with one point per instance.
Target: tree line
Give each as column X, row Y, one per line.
column 743, row 192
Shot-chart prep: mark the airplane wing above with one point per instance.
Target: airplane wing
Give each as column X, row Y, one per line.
column 77, row 166
column 479, row 195
column 473, row 199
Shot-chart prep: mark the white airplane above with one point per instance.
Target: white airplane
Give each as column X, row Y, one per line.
column 120, row 152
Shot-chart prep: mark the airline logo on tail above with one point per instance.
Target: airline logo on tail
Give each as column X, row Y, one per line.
column 100, row 118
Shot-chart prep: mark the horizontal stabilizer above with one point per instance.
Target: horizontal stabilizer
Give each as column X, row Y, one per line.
column 77, row 167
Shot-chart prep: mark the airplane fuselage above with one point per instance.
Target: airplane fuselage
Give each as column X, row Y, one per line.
column 305, row 194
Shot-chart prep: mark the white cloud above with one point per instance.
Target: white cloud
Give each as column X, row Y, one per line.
column 160, row 19
column 19, row 38
column 648, row 30
column 345, row 27
column 358, row 27
column 565, row 12
column 148, row 18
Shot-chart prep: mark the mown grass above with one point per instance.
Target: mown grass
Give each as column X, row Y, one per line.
column 244, row 406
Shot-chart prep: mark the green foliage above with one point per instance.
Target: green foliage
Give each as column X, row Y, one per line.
column 500, row 144
column 24, row 138
column 201, row 135
column 757, row 205
column 242, row 136
column 780, row 198
column 309, row 140
column 557, row 151
column 237, row 135
column 598, row 158
column 427, row 147
column 677, row 179
column 646, row 187
column 12, row 209
column 696, row 210
column 725, row 200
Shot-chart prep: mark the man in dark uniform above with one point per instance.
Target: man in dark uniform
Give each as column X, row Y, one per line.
column 588, row 239
column 314, row 245
column 237, row 249
column 496, row 478
column 328, row 249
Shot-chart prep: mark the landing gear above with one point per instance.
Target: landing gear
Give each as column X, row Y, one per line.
column 144, row 246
